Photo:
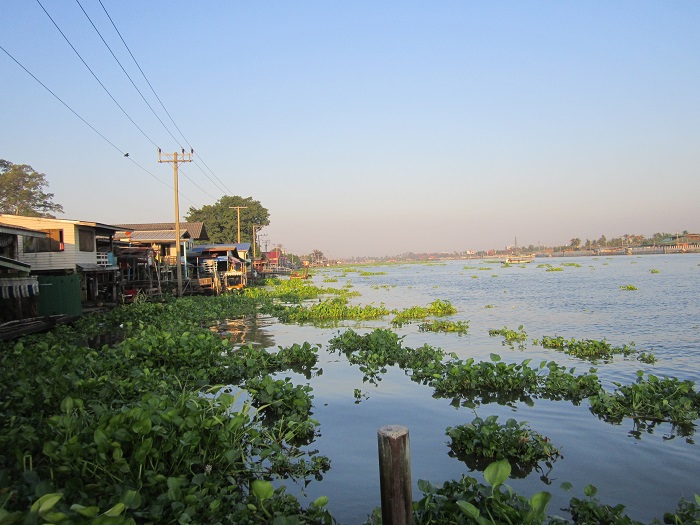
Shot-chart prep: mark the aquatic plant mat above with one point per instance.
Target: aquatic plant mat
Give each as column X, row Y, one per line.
column 173, row 422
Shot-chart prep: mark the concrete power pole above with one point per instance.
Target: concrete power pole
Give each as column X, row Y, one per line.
column 238, row 209
column 168, row 157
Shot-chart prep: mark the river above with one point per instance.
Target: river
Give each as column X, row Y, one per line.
column 647, row 470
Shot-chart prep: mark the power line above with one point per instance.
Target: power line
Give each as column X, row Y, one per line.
column 95, row 76
column 125, row 72
column 164, row 108
column 107, row 91
column 197, row 185
column 85, row 121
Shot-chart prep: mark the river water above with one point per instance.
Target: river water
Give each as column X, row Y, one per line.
column 647, row 470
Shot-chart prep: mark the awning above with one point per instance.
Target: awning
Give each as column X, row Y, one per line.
column 13, row 264
column 15, row 287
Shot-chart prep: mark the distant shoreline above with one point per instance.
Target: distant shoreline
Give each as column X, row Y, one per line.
column 633, row 250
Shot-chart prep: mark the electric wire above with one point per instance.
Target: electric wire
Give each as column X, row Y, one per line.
column 228, row 191
column 107, row 91
column 197, row 185
column 125, row 72
column 87, row 123
column 144, row 99
column 142, row 96
column 94, row 75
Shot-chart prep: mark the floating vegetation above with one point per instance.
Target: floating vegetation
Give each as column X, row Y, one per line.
column 572, row 264
column 490, row 306
column 593, row 350
column 655, row 399
column 468, row 501
column 647, row 358
column 554, row 269
column 654, row 270
column 483, row 441
column 370, row 274
column 330, row 280
column 459, row 327
column 511, row 336
column 334, row 309
column 630, row 287
column 114, row 430
column 436, row 308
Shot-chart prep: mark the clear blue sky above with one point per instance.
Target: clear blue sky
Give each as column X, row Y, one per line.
column 369, row 127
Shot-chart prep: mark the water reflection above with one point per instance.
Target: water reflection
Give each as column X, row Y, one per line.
column 246, row 329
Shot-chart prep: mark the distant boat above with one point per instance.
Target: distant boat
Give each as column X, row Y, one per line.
column 300, row 274
column 520, row 259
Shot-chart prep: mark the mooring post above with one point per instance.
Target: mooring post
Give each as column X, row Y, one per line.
column 395, row 475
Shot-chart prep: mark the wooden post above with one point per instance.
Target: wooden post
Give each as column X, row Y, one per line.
column 395, row 475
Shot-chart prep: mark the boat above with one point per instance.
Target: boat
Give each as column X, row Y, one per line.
column 300, row 274
column 519, row 259
column 234, row 280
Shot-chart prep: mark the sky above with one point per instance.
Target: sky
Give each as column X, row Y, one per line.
column 365, row 127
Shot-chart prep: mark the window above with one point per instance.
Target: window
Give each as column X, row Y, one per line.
column 86, row 240
column 52, row 243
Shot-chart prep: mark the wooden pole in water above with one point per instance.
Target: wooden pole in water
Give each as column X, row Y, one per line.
column 395, row 475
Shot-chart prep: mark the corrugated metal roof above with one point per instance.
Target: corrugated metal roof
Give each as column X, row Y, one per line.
column 241, row 247
column 196, row 230
column 156, row 236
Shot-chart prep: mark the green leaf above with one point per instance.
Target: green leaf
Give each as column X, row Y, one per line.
column 142, row 426
column 143, row 449
column 590, row 490
column 495, row 358
column 426, row 487
column 114, row 511
column 321, row 502
column 539, row 502
column 67, row 404
column 45, row 503
column 262, row 489
column 86, row 512
column 566, row 486
column 496, row 473
column 131, row 499
column 100, row 439
column 469, row 509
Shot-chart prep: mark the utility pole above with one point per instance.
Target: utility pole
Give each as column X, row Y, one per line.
column 256, row 226
column 168, row 157
column 238, row 209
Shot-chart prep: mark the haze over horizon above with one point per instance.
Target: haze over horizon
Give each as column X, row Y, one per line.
column 366, row 128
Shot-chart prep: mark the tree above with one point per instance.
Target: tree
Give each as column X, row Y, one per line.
column 575, row 243
column 317, row 257
column 22, row 191
column 221, row 218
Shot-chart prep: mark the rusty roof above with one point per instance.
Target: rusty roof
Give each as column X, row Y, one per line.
column 196, row 230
